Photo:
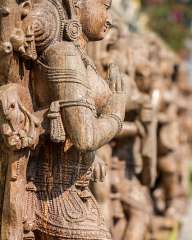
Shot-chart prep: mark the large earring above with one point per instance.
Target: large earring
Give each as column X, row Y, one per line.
column 73, row 30
column 25, row 8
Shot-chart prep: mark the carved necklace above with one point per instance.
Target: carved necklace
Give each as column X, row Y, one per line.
column 84, row 56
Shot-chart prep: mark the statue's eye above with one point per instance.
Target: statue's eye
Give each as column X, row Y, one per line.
column 107, row 7
column 12, row 106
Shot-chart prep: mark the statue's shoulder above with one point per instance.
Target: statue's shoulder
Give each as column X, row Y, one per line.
column 64, row 47
column 63, row 55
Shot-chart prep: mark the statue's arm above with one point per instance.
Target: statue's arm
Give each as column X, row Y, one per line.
column 85, row 129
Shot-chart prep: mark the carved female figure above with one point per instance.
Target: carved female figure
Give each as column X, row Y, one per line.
column 84, row 114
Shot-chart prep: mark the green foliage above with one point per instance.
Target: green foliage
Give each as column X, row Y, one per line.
column 171, row 20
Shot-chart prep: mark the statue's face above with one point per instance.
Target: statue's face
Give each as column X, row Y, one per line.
column 95, row 18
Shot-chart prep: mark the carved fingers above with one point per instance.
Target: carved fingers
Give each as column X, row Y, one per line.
column 99, row 170
column 118, row 82
column 114, row 79
column 118, row 85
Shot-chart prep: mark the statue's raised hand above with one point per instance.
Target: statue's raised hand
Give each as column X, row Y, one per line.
column 117, row 82
column 119, row 86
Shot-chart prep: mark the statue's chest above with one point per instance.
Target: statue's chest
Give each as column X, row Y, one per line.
column 99, row 89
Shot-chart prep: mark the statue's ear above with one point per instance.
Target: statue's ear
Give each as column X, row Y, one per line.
column 25, row 8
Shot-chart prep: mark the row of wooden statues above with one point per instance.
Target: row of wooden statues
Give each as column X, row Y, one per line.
column 68, row 116
column 146, row 191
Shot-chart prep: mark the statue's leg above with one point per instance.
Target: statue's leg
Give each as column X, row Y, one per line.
column 169, row 178
column 12, row 215
column 118, row 229
column 137, row 226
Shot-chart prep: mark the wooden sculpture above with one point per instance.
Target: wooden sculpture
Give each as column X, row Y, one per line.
column 55, row 112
